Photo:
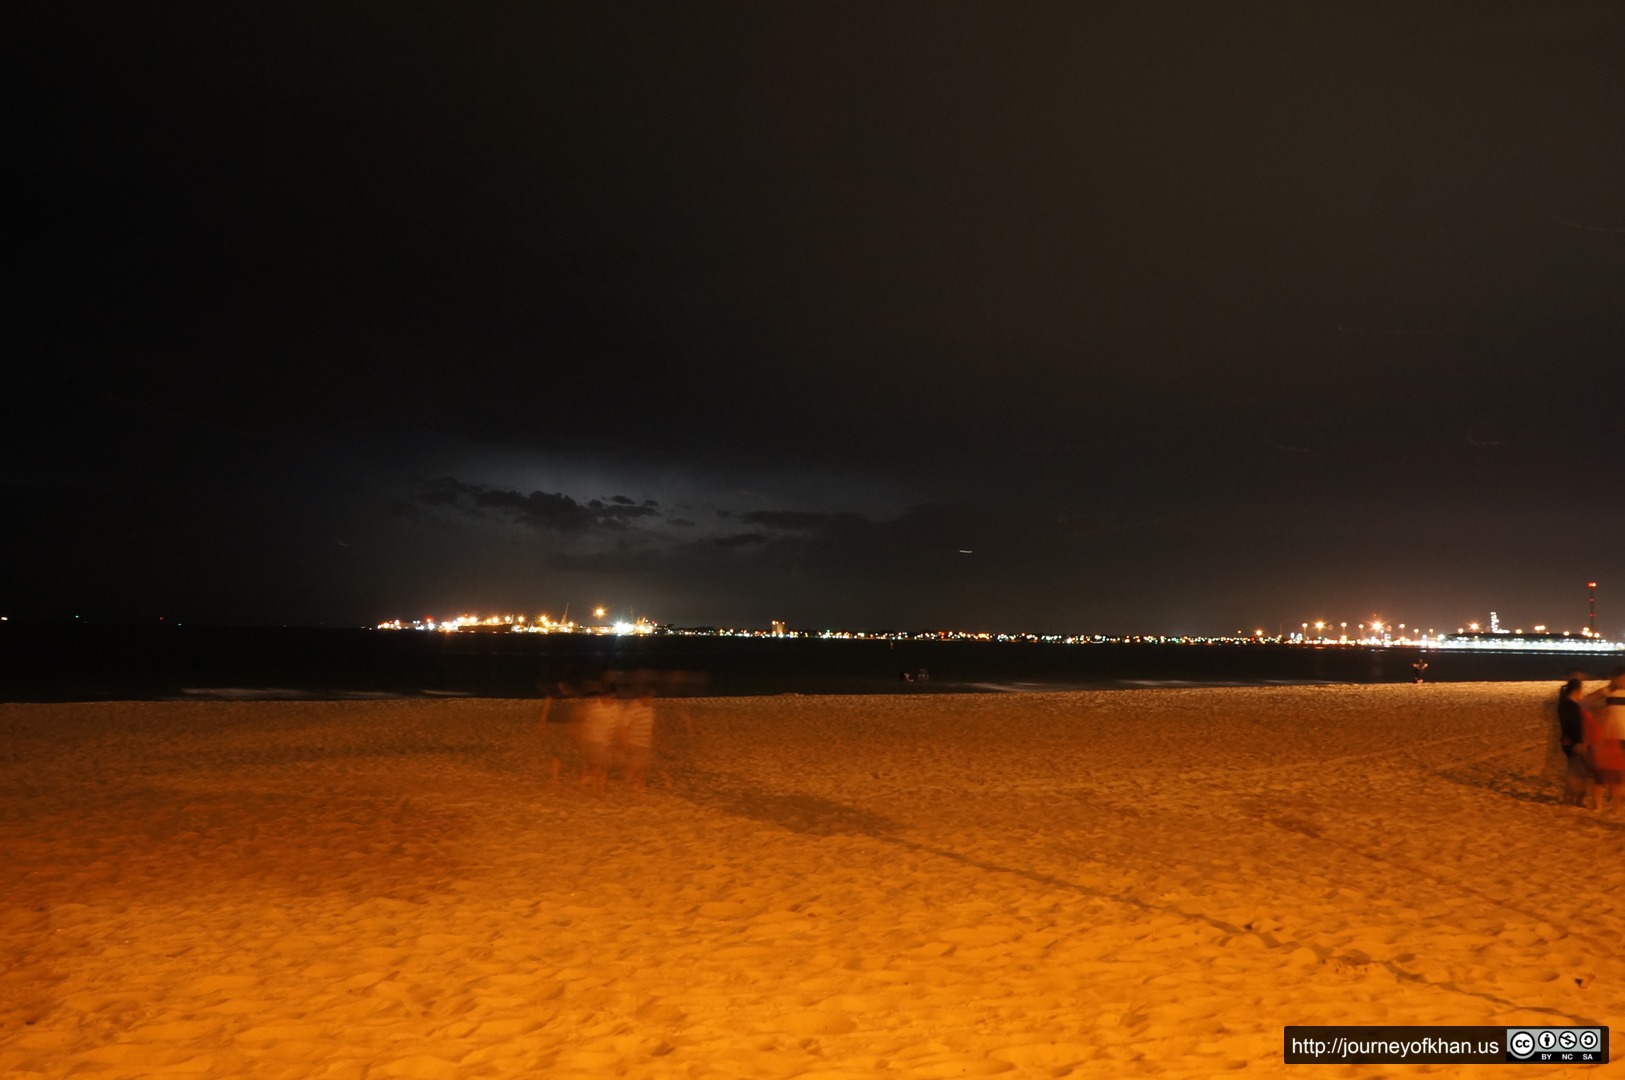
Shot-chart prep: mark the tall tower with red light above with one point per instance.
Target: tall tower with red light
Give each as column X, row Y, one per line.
column 1591, row 625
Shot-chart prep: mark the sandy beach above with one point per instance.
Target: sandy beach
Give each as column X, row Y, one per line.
column 1138, row 883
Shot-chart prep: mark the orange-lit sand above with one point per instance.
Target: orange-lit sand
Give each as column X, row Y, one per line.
column 1117, row 884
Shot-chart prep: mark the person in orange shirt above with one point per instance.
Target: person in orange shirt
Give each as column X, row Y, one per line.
column 1604, row 735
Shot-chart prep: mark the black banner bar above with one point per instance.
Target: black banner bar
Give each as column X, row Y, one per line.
column 1444, row 1045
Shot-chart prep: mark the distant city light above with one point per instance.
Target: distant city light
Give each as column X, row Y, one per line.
column 1380, row 635
column 516, row 624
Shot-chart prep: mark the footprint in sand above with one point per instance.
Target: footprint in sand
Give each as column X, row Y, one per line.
column 210, row 984
column 989, row 934
column 1051, row 1057
column 959, row 1066
column 810, row 1022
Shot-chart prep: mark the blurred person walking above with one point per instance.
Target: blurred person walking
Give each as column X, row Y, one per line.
column 1605, row 738
column 560, row 722
column 599, row 732
column 1572, row 718
column 637, row 732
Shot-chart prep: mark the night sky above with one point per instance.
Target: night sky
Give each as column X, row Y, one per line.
column 1078, row 317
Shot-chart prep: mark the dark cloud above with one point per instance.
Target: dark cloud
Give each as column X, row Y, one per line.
column 544, row 510
column 621, row 510
column 805, row 521
column 737, row 540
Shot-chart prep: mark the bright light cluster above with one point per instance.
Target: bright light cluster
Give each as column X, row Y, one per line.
column 1382, row 634
column 1319, row 634
column 1517, row 642
column 520, row 624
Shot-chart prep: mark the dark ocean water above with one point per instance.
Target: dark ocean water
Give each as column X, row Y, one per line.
column 96, row 663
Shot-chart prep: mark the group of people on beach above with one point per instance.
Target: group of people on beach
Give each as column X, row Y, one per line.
column 607, row 722
column 1591, row 727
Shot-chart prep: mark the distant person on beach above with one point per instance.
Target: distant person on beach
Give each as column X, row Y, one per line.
column 1606, row 740
column 558, row 720
column 599, row 725
column 1572, row 718
column 637, row 729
